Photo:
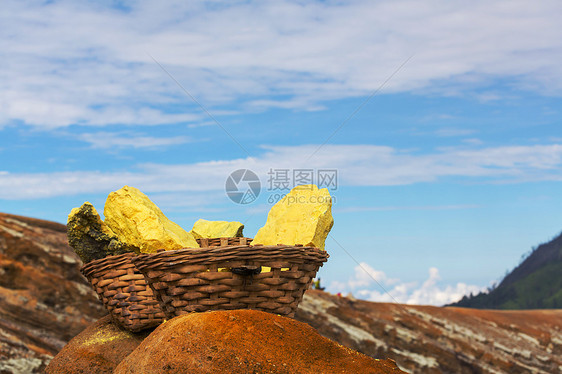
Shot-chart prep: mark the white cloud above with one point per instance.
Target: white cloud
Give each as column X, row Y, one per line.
column 357, row 165
column 86, row 63
column 473, row 141
column 430, row 292
column 200, row 201
column 365, row 277
column 107, row 140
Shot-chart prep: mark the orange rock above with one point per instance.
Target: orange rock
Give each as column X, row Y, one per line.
column 96, row 350
column 244, row 341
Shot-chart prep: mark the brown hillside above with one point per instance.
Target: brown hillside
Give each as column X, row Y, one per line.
column 428, row 339
column 44, row 301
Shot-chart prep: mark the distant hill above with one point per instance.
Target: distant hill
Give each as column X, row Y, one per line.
column 535, row 284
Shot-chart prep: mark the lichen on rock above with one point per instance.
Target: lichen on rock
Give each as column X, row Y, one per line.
column 217, row 229
column 303, row 216
column 91, row 238
column 139, row 222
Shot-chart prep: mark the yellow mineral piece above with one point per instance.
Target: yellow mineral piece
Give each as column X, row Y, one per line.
column 303, row 216
column 138, row 221
column 216, row 229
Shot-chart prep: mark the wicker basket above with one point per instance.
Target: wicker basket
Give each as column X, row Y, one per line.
column 223, row 278
column 222, row 242
column 124, row 292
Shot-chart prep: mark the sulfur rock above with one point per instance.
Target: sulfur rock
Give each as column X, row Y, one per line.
column 303, row 216
column 90, row 237
column 138, row 221
column 216, row 229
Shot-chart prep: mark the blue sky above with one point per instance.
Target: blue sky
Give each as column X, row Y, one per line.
column 442, row 119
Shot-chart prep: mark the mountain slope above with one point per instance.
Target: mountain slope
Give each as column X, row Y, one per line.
column 429, row 339
column 44, row 300
column 535, row 284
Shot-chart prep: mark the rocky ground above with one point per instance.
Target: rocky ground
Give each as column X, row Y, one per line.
column 44, row 302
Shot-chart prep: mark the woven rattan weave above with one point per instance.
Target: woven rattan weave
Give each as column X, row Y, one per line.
column 222, row 242
column 124, row 292
column 197, row 280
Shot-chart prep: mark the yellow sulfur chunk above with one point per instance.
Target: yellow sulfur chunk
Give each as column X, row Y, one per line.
column 138, row 221
column 216, row 229
column 303, row 216
column 266, row 269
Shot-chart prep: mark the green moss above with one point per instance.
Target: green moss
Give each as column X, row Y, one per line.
column 91, row 238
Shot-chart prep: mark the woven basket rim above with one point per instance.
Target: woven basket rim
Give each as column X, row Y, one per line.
column 222, row 241
column 215, row 255
column 226, row 237
column 102, row 264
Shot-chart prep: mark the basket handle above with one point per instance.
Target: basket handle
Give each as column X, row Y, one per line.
column 248, row 270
